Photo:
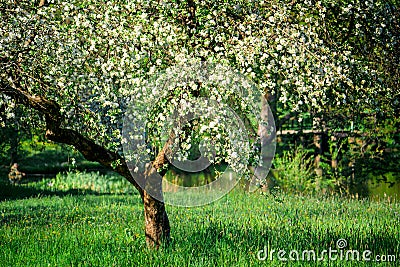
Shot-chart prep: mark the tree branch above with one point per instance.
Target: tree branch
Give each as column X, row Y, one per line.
column 191, row 19
column 54, row 132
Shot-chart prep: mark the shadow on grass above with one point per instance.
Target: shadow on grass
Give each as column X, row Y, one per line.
column 207, row 243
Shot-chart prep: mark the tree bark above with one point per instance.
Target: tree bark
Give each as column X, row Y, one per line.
column 14, row 142
column 156, row 218
column 157, row 222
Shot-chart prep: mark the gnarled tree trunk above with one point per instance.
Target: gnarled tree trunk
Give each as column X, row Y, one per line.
column 157, row 223
column 156, row 218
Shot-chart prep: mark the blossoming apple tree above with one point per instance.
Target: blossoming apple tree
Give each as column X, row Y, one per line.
column 76, row 64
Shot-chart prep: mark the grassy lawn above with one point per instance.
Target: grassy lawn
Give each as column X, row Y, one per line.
column 66, row 221
column 47, row 158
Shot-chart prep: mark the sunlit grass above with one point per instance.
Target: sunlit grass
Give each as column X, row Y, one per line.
column 101, row 226
column 84, row 182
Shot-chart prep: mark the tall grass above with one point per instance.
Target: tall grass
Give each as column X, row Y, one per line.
column 294, row 172
column 101, row 226
column 109, row 183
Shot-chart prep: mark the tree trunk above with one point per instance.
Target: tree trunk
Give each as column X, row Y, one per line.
column 156, row 220
column 13, row 146
column 14, row 137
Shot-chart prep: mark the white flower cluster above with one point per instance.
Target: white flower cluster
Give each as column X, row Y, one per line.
column 91, row 57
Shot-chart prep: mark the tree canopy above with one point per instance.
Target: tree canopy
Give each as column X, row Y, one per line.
column 76, row 64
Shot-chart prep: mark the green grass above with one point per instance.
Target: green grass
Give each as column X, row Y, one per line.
column 47, row 158
column 66, row 221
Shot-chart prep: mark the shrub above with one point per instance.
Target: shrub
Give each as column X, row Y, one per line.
column 294, row 172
